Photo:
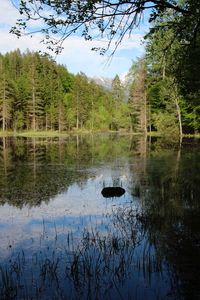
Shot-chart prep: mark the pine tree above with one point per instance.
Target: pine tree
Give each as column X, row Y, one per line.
column 5, row 96
column 137, row 97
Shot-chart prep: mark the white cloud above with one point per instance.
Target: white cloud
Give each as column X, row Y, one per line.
column 134, row 41
column 77, row 54
column 8, row 13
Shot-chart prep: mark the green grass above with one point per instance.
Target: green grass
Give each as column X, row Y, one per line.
column 196, row 135
column 56, row 133
column 50, row 133
column 6, row 133
column 34, row 133
column 41, row 134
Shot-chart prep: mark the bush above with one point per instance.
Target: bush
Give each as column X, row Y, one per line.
column 166, row 124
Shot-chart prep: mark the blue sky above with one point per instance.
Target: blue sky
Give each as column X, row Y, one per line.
column 77, row 54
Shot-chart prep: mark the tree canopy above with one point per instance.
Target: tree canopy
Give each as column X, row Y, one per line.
column 37, row 94
column 108, row 19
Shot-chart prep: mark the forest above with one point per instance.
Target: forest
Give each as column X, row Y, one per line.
column 38, row 94
column 161, row 92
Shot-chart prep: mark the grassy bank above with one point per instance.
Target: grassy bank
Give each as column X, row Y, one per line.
column 57, row 133
column 83, row 131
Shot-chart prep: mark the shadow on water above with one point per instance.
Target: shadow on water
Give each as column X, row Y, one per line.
column 144, row 245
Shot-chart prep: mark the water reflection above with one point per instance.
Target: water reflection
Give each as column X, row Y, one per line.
column 60, row 238
column 35, row 170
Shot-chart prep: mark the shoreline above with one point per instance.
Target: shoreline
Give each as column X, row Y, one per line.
column 79, row 132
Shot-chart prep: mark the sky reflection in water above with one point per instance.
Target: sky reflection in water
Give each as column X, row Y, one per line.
column 61, row 238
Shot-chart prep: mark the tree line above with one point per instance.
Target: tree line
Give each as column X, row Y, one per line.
column 163, row 86
column 38, row 94
column 161, row 92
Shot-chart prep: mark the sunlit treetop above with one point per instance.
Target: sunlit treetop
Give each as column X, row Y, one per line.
column 110, row 20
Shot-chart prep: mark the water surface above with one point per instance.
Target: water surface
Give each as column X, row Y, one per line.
column 61, row 239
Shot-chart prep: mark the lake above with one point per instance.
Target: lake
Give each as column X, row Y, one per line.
column 62, row 239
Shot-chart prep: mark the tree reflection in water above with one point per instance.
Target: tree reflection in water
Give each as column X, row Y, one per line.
column 146, row 247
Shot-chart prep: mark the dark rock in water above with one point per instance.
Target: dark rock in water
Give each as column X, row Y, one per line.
column 115, row 191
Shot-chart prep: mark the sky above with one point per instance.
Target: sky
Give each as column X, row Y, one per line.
column 76, row 55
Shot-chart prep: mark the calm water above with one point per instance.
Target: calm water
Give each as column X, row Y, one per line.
column 61, row 239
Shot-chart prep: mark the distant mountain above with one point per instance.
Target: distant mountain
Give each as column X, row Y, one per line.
column 104, row 82
column 124, row 78
column 107, row 82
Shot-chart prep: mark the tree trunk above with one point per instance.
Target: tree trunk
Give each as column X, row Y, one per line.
column 92, row 123
column 149, row 106
column 145, row 113
column 46, row 122
column 164, row 67
column 77, row 112
column 59, row 119
column 33, row 105
column 4, row 107
column 179, row 118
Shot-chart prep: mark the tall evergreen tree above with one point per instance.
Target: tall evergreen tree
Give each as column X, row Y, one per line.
column 5, row 95
column 137, row 96
column 37, row 94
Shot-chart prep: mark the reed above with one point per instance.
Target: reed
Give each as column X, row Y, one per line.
column 97, row 266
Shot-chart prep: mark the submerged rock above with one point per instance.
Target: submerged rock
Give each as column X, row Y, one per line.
column 115, row 191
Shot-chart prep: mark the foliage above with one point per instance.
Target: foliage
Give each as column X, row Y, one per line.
column 168, row 84
column 165, row 124
column 37, row 94
column 111, row 19
column 172, row 53
column 137, row 100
